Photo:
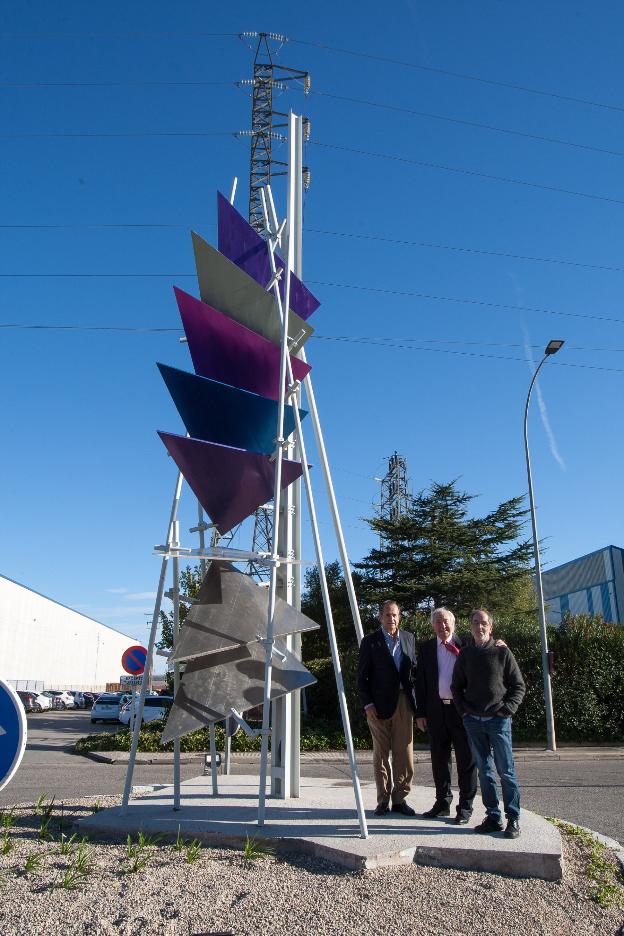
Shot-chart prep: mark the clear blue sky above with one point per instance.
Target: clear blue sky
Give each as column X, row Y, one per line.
column 85, row 484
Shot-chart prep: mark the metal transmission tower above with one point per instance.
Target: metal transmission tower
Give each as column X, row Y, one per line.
column 267, row 76
column 394, row 498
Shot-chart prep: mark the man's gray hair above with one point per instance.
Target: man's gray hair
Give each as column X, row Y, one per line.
column 442, row 611
column 384, row 605
column 482, row 611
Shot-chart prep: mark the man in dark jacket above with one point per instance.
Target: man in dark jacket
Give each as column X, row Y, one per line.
column 436, row 714
column 385, row 670
column 487, row 690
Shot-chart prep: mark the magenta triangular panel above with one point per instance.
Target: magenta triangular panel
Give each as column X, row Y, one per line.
column 241, row 244
column 223, row 349
column 229, row 483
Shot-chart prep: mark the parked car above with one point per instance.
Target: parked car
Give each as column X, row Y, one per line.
column 89, row 699
column 61, row 699
column 34, row 701
column 154, row 707
column 80, row 698
column 107, row 705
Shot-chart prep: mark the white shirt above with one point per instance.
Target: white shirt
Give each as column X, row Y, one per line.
column 446, row 665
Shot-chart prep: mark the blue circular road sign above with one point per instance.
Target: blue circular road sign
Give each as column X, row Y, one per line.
column 12, row 732
column 133, row 660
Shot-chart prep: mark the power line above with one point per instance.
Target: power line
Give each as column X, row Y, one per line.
column 396, row 157
column 394, row 241
column 116, row 84
column 96, row 134
column 134, row 35
column 469, row 123
column 472, row 250
column 463, row 76
column 463, row 300
column 388, row 342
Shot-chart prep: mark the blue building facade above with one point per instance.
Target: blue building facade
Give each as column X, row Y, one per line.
column 593, row 584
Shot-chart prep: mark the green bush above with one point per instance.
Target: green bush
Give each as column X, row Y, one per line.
column 588, row 692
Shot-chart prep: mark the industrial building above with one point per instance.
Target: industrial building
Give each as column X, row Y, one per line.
column 45, row 645
column 593, row 584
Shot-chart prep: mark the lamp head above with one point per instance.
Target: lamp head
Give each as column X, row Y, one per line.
column 553, row 346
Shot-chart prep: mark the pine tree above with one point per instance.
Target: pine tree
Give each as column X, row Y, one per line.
column 436, row 554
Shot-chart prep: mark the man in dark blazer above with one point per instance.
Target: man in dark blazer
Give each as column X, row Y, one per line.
column 385, row 683
column 436, row 713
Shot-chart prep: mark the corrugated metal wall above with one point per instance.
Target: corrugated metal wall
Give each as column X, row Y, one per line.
column 593, row 584
column 43, row 641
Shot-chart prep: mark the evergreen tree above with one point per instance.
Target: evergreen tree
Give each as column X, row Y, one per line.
column 316, row 643
column 190, row 581
column 436, row 554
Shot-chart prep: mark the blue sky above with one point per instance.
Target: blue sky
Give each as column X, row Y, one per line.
column 84, row 481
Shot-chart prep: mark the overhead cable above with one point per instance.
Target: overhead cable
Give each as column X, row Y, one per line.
column 462, row 75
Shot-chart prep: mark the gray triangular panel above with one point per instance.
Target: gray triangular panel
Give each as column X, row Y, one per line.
column 211, row 686
column 231, row 610
column 230, row 290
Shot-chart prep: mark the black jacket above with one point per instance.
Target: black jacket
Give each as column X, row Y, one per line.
column 428, row 703
column 378, row 679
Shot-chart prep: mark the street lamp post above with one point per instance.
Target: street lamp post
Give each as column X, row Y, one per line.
column 551, row 348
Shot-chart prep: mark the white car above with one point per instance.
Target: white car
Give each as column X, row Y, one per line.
column 44, row 701
column 61, row 699
column 107, row 705
column 154, row 707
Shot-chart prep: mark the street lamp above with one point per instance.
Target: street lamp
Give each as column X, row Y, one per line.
column 551, row 348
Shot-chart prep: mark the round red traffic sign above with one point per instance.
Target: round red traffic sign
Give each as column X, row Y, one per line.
column 133, row 660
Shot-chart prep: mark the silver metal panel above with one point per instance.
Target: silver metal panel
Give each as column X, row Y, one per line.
column 232, row 610
column 212, row 685
column 580, row 573
column 230, row 290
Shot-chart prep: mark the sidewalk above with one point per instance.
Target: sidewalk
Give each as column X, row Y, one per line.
column 421, row 754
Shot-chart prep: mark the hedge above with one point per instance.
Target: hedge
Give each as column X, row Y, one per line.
column 588, row 692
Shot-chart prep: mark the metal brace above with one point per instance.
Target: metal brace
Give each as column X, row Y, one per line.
column 264, row 641
column 249, row 731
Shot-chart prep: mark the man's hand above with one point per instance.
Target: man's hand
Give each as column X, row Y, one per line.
column 421, row 724
column 499, row 643
column 371, row 711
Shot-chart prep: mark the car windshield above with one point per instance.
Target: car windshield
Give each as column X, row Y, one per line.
column 108, row 698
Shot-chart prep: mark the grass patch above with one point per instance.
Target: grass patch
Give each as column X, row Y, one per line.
column 34, row 862
column 193, row 851
column 7, row 843
column 138, row 854
column 607, row 880
column 7, row 818
column 255, row 848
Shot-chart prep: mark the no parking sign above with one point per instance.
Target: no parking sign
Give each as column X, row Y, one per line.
column 133, row 660
column 12, row 732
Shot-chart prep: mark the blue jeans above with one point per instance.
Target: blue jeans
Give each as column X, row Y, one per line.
column 487, row 737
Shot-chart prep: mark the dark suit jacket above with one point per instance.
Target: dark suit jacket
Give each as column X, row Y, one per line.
column 427, row 695
column 378, row 679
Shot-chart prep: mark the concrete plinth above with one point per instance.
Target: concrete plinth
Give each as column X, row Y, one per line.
column 323, row 822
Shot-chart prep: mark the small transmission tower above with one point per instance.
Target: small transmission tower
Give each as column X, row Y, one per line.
column 395, row 499
column 267, row 76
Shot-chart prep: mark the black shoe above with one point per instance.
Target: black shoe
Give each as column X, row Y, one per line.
column 462, row 818
column 513, row 829
column 438, row 809
column 404, row 808
column 381, row 809
column 489, row 825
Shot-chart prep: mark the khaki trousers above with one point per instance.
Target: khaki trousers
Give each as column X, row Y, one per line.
column 394, row 735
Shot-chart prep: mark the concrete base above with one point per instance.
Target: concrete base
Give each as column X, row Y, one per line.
column 323, row 822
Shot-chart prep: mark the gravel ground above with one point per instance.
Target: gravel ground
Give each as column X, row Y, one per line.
column 222, row 894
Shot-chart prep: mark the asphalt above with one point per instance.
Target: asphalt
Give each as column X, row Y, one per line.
column 584, row 786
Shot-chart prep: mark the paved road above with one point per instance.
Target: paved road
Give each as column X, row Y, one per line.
column 581, row 788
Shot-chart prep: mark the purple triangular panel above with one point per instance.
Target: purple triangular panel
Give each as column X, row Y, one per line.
column 229, row 483
column 243, row 246
column 223, row 349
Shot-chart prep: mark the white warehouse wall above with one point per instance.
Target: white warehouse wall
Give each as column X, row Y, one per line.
column 44, row 642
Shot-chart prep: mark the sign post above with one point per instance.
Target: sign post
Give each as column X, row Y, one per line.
column 12, row 732
column 133, row 661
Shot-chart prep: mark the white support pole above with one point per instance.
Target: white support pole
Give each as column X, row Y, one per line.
column 204, row 566
column 324, row 589
column 175, row 567
column 342, row 549
column 233, row 189
column 277, row 491
column 150, row 649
